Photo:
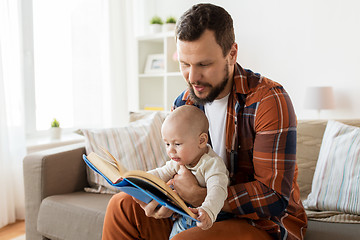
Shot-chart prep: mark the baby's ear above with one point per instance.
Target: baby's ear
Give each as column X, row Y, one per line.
column 203, row 139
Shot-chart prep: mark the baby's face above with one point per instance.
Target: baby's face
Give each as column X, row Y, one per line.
column 182, row 146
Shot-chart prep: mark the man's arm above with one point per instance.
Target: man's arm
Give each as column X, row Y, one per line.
column 190, row 191
column 151, row 209
column 186, row 185
column 274, row 160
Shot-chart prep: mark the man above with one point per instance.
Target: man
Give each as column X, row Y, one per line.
column 252, row 126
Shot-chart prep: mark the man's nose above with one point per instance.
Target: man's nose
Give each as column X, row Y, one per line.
column 194, row 75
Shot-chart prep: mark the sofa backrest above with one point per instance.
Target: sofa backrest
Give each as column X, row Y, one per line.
column 309, row 138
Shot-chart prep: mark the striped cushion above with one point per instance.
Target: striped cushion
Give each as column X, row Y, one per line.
column 336, row 184
column 137, row 146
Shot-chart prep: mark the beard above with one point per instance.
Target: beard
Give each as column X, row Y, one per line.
column 214, row 90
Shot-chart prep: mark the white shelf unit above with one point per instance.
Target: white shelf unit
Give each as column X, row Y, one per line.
column 158, row 90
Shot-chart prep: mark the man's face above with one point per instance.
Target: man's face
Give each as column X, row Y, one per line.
column 205, row 69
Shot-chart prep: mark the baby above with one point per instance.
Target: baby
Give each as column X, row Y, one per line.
column 185, row 133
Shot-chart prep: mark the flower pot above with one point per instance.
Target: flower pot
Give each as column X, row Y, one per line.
column 169, row 27
column 155, row 28
column 55, row 133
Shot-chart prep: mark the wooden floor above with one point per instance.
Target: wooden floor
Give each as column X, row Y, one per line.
column 12, row 230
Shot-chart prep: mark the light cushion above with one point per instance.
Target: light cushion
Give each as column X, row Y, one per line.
column 336, row 184
column 135, row 116
column 138, row 146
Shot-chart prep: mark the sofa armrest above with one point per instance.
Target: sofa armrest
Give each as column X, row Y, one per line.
column 51, row 172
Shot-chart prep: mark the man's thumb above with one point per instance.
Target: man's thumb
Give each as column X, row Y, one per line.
column 182, row 169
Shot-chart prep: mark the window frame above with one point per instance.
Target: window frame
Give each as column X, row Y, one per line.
column 29, row 74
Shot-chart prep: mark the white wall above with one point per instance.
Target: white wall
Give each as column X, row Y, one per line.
column 298, row 43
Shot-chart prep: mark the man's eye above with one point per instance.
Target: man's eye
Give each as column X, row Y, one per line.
column 204, row 65
column 177, row 144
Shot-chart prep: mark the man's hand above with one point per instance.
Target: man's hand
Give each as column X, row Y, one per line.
column 205, row 221
column 186, row 185
column 152, row 210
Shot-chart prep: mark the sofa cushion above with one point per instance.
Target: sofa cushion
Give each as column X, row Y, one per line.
column 73, row 216
column 332, row 231
column 309, row 137
column 138, row 146
column 335, row 185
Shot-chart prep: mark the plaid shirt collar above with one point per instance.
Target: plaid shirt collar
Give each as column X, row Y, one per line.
column 240, row 86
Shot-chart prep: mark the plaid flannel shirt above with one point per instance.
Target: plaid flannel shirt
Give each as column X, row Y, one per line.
column 261, row 155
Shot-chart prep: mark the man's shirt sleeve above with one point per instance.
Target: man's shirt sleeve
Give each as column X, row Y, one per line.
column 274, row 159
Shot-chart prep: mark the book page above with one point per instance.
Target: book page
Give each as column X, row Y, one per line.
column 163, row 191
column 104, row 166
column 120, row 167
column 161, row 185
column 115, row 173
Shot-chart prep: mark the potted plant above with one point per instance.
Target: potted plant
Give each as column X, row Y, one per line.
column 169, row 24
column 155, row 24
column 55, row 129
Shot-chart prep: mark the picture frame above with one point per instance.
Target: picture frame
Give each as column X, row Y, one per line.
column 155, row 63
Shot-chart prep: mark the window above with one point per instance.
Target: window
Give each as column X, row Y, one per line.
column 69, row 73
column 77, row 59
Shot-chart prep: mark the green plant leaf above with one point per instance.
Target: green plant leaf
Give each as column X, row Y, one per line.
column 171, row 20
column 55, row 123
column 156, row 20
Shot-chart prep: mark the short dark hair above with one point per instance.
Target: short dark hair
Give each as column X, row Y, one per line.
column 200, row 17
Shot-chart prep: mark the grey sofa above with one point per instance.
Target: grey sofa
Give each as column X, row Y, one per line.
column 58, row 208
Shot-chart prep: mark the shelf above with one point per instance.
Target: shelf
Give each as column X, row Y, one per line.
column 158, row 90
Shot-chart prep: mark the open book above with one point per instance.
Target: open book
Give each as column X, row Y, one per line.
column 139, row 184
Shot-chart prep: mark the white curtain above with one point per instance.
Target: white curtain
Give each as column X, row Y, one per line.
column 118, row 52
column 12, row 134
column 120, row 57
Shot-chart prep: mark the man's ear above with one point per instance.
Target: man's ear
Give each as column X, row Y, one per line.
column 203, row 139
column 233, row 54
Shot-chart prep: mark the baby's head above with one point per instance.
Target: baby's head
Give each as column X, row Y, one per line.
column 184, row 132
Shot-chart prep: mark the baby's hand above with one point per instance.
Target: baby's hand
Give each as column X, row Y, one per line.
column 205, row 221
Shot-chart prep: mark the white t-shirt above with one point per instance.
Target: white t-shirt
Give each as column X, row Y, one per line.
column 216, row 114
